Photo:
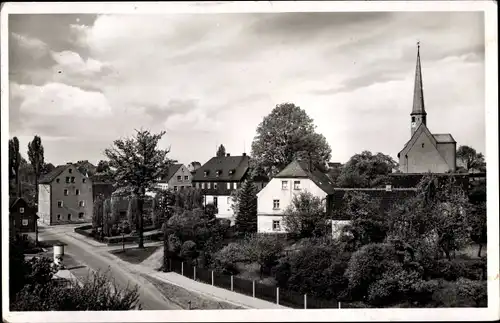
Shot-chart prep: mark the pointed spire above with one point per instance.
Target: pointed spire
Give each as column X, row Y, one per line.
column 418, row 92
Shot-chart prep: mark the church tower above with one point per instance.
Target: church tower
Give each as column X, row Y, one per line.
column 418, row 114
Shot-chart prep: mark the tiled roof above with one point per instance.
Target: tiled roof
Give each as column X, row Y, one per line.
column 443, row 138
column 226, row 168
column 12, row 201
column 48, row 178
column 171, row 172
column 301, row 169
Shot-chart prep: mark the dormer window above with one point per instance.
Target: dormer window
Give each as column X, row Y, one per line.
column 70, row 171
column 218, row 173
column 206, row 173
column 231, row 171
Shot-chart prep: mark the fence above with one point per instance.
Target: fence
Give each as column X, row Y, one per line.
column 251, row 288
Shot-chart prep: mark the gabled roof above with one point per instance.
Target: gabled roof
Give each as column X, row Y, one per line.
column 225, row 168
column 421, row 128
column 301, row 169
column 171, row 172
column 442, row 138
column 49, row 178
column 13, row 201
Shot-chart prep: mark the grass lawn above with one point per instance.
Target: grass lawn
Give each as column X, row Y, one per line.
column 135, row 255
column 181, row 297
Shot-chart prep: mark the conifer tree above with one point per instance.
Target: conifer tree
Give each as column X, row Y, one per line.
column 246, row 219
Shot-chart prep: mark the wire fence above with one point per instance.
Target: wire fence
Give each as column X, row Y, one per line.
column 252, row 288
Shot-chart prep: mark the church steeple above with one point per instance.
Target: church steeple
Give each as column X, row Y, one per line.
column 418, row 114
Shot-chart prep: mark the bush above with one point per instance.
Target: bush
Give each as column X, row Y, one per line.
column 461, row 293
column 189, row 251
column 225, row 260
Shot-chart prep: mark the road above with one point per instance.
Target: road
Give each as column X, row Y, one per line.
column 97, row 258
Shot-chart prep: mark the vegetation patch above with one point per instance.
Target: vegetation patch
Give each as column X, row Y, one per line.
column 135, row 255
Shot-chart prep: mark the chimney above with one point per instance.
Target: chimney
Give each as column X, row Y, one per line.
column 227, row 155
column 68, row 163
column 244, row 154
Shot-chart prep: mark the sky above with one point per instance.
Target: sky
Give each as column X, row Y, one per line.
column 82, row 81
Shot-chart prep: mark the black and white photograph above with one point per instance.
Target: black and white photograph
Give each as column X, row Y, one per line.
column 193, row 161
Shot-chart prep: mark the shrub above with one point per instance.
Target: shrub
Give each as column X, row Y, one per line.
column 227, row 258
column 188, row 250
column 461, row 293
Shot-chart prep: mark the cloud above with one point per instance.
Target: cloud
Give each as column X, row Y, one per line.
column 196, row 120
column 35, row 47
column 55, row 99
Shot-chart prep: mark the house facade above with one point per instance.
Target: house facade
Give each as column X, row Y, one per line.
column 22, row 216
column 425, row 152
column 65, row 196
column 177, row 177
column 219, row 178
column 278, row 194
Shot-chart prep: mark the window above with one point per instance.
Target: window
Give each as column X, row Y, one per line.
column 276, row 225
column 175, row 188
column 186, row 178
column 228, row 200
column 179, row 178
column 67, row 179
column 80, row 215
column 231, row 171
column 215, row 185
column 21, row 210
column 205, row 173
column 203, row 185
column 208, row 185
column 276, row 204
column 59, row 217
column 70, row 170
column 77, row 192
column 296, row 185
column 69, row 216
column 234, row 185
column 65, row 192
column 284, row 185
column 25, row 222
column 228, row 186
column 60, row 204
column 72, row 179
column 81, row 203
column 422, row 145
column 412, row 119
column 423, row 119
column 215, row 201
column 84, row 180
column 217, row 173
column 57, row 180
column 182, row 187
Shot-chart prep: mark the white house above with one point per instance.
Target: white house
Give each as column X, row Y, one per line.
column 277, row 195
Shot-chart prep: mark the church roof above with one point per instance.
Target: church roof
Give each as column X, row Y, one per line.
column 418, row 91
column 442, row 138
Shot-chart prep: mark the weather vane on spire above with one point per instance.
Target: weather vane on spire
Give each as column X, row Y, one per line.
column 418, row 44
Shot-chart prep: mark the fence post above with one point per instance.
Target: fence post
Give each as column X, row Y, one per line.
column 231, row 282
column 305, row 301
column 194, row 272
column 212, row 277
column 253, row 288
column 182, row 268
column 277, row 295
column 339, row 306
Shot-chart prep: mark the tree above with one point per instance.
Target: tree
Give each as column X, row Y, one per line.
column 306, row 216
column 235, row 197
column 265, row 250
column 106, row 213
column 15, row 163
column 246, row 218
column 139, row 163
column 470, row 159
column 366, row 170
column 132, row 212
column 227, row 258
column 221, row 151
column 35, row 154
column 48, row 167
column 288, row 133
column 97, row 212
column 103, row 166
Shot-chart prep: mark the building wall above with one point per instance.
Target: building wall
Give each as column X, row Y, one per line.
column 224, row 205
column 265, row 223
column 71, row 205
column 423, row 157
column 44, row 203
column 22, row 222
column 448, row 151
column 274, row 191
column 185, row 179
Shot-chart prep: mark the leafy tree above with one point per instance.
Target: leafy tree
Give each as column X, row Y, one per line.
column 470, row 159
column 366, row 170
column 48, row 167
column 287, row 133
column 115, row 213
column 246, row 218
column 103, row 166
column 477, row 221
column 221, row 151
column 14, row 163
column 227, row 258
column 306, row 216
column 235, row 197
column 139, row 164
column 265, row 250
column 97, row 212
column 106, row 214
column 189, row 251
column 35, row 154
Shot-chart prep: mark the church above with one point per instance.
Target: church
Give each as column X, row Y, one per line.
column 425, row 152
